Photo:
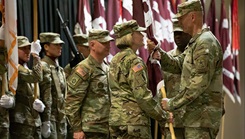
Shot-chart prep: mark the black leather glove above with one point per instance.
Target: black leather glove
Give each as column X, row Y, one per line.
column 75, row 61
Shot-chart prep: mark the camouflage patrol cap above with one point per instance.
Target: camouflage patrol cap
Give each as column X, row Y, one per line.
column 99, row 35
column 81, row 39
column 126, row 28
column 50, row 37
column 176, row 26
column 23, row 41
column 188, row 6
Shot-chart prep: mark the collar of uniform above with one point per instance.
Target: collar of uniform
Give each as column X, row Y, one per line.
column 92, row 61
column 50, row 61
column 130, row 50
column 193, row 39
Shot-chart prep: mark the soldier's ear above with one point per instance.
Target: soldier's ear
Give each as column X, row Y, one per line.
column 91, row 44
column 45, row 47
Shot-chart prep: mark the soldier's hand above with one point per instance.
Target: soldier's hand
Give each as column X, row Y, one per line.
column 6, row 101
column 36, row 47
column 156, row 55
column 45, row 129
column 74, row 61
column 79, row 135
column 171, row 117
column 150, row 45
column 38, row 105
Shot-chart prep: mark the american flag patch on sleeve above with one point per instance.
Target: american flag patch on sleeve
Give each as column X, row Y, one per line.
column 81, row 71
column 137, row 68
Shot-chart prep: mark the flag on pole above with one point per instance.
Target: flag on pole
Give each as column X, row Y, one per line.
column 228, row 76
column 174, row 5
column 212, row 20
column 11, row 42
column 158, row 29
column 84, row 16
column 99, row 15
column 235, row 48
column 127, row 10
column 204, row 14
column 166, row 16
column 142, row 13
column 113, row 16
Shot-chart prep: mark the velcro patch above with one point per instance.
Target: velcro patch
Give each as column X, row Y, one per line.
column 81, row 72
column 74, row 80
column 137, row 68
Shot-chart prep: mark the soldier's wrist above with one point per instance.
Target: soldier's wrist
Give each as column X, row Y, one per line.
column 77, row 129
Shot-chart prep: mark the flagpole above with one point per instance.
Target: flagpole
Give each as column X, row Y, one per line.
column 35, row 37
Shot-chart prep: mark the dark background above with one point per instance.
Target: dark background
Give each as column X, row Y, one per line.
column 48, row 20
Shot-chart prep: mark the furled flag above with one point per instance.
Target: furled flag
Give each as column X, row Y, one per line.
column 99, row 15
column 235, row 48
column 84, row 16
column 228, row 76
column 11, row 42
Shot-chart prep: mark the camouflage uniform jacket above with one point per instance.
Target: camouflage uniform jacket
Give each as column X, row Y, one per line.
column 172, row 86
column 45, row 92
column 3, row 62
column 131, row 101
column 88, row 103
column 23, row 111
column 201, row 80
column 4, row 114
column 58, row 90
column 67, row 70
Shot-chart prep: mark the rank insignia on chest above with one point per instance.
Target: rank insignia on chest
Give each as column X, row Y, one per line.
column 137, row 68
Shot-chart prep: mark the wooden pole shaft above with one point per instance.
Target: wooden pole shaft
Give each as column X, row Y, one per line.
column 170, row 125
column 35, row 37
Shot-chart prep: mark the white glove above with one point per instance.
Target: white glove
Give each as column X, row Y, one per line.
column 165, row 103
column 7, row 101
column 36, row 47
column 2, row 32
column 45, row 129
column 38, row 105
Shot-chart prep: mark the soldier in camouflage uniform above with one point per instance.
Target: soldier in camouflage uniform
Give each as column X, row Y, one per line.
column 132, row 103
column 25, row 122
column 172, row 81
column 200, row 66
column 54, row 118
column 88, row 98
column 6, row 98
column 81, row 41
